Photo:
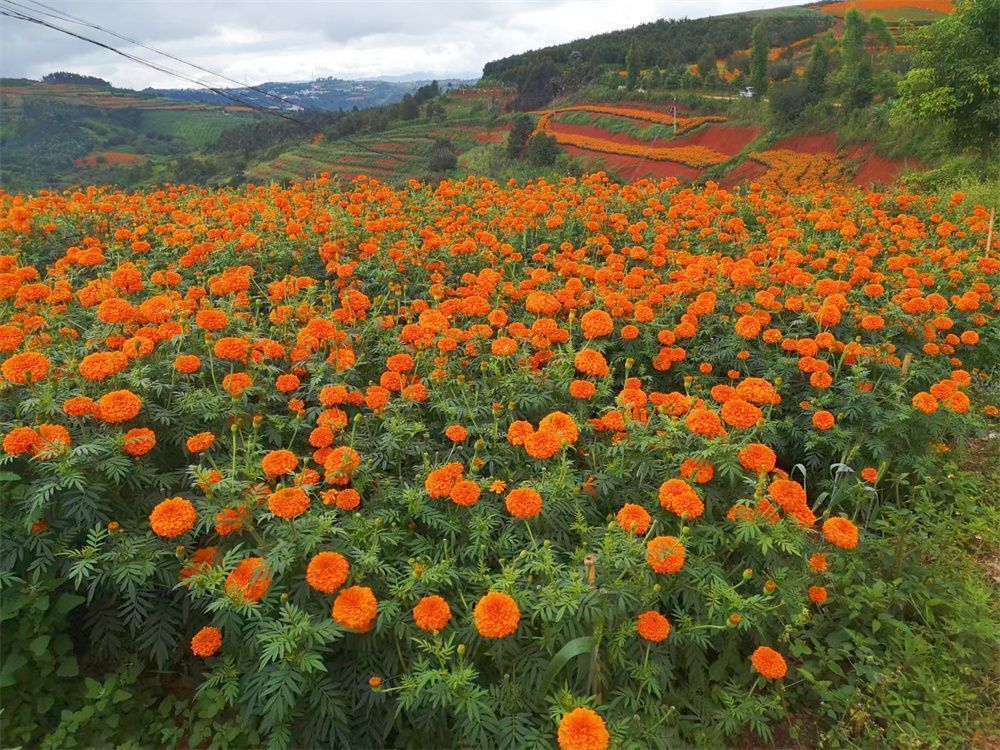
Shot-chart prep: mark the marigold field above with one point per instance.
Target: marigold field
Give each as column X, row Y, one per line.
column 477, row 464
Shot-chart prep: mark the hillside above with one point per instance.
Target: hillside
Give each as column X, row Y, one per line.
column 604, row 103
column 57, row 135
column 328, row 94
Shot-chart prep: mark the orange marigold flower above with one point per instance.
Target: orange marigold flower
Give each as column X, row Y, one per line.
column 518, row 432
column 817, row 561
column 869, row 474
column 199, row 562
column 279, row 462
column 356, row 607
column 769, row 663
column 840, row 532
column 79, row 406
column 465, row 492
column 748, row 327
column 524, row 502
column 456, row 433
column 634, row 518
column 596, row 323
column 52, row 439
column 665, row 554
column 348, row 499
column 788, row 494
column 249, row 580
column 202, row 441
column 591, row 362
column 823, row 420
column 327, row 571
column 20, row 440
column 211, row 320
column 432, row 613
column 206, row 642
column 582, row 389
column 679, row 497
column 173, row 517
column 817, row 594
column 739, row 413
column 440, row 482
column 231, row 347
column 288, row 502
column 701, row 471
column 287, row 383
column 399, row 363
column 235, row 383
column 582, row 729
column 496, row 615
column 187, row 364
column 563, row 425
column 27, row 367
column 139, row 441
column 118, row 406
column 102, row 365
column 925, row 402
column 543, row 444
column 758, row 458
column 341, row 464
column 704, row 422
column 653, row 626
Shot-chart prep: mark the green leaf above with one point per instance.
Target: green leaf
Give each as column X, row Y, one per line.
column 68, row 668
column 39, row 645
column 574, row 648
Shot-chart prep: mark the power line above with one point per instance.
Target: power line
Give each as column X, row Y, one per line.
column 20, row 15
column 64, row 16
column 23, row 13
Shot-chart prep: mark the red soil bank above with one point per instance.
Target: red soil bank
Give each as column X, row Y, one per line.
column 631, row 168
column 726, row 139
column 874, row 170
column 746, row 172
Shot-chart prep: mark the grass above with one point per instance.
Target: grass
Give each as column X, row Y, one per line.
column 197, row 128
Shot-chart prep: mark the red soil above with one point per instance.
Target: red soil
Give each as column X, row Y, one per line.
column 874, row 170
column 748, row 171
column 110, row 159
column 631, row 168
column 726, row 139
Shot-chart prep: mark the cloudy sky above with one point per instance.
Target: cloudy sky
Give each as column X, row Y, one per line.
column 286, row 40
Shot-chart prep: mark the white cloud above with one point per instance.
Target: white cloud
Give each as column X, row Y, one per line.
column 260, row 40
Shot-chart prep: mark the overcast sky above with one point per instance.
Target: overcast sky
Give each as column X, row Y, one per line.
column 282, row 40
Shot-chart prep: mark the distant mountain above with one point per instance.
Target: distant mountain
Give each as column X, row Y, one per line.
column 329, row 94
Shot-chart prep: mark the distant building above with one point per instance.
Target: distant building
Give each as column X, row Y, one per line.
column 746, row 92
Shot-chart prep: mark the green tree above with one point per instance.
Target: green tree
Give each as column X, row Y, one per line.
column 409, row 109
column 542, row 150
column 707, row 66
column 519, row 134
column 760, row 48
column 855, row 76
column 443, row 156
column 955, row 84
column 817, row 71
column 632, row 67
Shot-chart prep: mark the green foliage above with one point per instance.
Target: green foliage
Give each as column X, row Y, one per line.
column 955, row 84
column 631, row 68
column 760, row 46
column 520, row 131
column 543, row 150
